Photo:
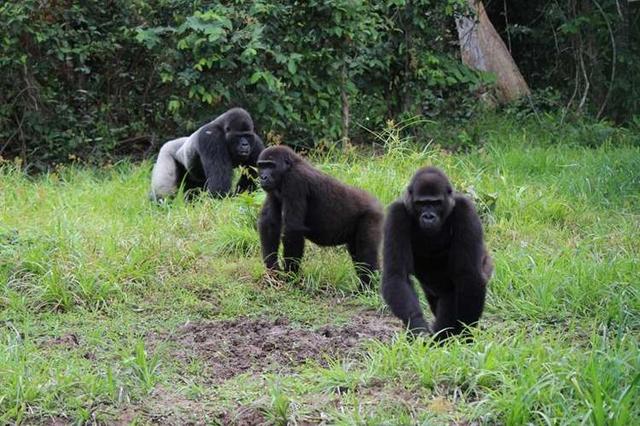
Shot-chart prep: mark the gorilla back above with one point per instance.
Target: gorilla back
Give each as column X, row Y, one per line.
column 206, row 159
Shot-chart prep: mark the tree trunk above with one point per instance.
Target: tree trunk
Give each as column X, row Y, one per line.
column 483, row 49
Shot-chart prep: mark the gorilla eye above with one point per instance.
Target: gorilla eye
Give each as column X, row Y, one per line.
column 429, row 203
column 266, row 164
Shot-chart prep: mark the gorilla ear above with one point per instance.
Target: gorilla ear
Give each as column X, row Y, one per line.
column 452, row 202
column 407, row 201
column 288, row 160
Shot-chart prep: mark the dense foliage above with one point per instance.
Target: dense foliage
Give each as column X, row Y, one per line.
column 85, row 79
column 587, row 51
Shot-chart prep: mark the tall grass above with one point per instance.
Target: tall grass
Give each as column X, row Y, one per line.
column 84, row 254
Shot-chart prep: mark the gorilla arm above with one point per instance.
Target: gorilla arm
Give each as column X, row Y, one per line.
column 270, row 227
column 294, row 200
column 468, row 262
column 215, row 159
column 249, row 175
column 398, row 262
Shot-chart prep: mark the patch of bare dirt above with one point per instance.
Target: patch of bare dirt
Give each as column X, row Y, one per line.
column 243, row 416
column 232, row 347
column 69, row 340
column 56, row 421
column 164, row 407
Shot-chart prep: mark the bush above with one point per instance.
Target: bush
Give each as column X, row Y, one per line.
column 82, row 80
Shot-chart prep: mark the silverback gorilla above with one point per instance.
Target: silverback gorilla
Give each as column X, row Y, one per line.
column 435, row 235
column 206, row 159
column 303, row 202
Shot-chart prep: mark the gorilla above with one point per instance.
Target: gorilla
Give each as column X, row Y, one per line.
column 435, row 235
column 206, row 159
column 303, row 202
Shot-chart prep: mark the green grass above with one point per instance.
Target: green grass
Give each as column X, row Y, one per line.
column 89, row 270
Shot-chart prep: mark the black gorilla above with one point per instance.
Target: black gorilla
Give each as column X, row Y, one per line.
column 435, row 235
column 303, row 202
column 206, row 159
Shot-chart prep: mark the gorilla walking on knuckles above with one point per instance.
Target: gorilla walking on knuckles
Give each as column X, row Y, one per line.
column 435, row 235
column 303, row 202
column 206, row 159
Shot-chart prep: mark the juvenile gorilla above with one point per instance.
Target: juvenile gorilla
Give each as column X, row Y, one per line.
column 435, row 235
column 206, row 159
column 303, row 202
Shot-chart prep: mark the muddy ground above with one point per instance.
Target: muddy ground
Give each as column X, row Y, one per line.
column 257, row 345
column 228, row 348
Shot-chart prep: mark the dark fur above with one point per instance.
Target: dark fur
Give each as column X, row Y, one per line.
column 303, row 202
column 207, row 159
column 446, row 255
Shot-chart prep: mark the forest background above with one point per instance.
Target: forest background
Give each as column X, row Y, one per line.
column 93, row 81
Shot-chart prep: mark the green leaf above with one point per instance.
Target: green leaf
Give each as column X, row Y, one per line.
column 257, row 75
column 292, row 67
column 174, row 105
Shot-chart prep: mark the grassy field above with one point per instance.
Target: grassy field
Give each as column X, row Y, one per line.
column 114, row 310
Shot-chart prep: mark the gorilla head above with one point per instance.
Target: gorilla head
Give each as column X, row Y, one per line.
column 429, row 199
column 239, row 135
column 273, row 164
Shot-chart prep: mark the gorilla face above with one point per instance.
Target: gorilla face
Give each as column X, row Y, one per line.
column 240, row 145
column 273, row 164
column 429, row 199
column 238, row 132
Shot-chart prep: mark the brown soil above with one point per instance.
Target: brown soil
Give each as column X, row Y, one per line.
column 242, row 416
column 240, row 345
column 69, row 341
column 254, row 345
